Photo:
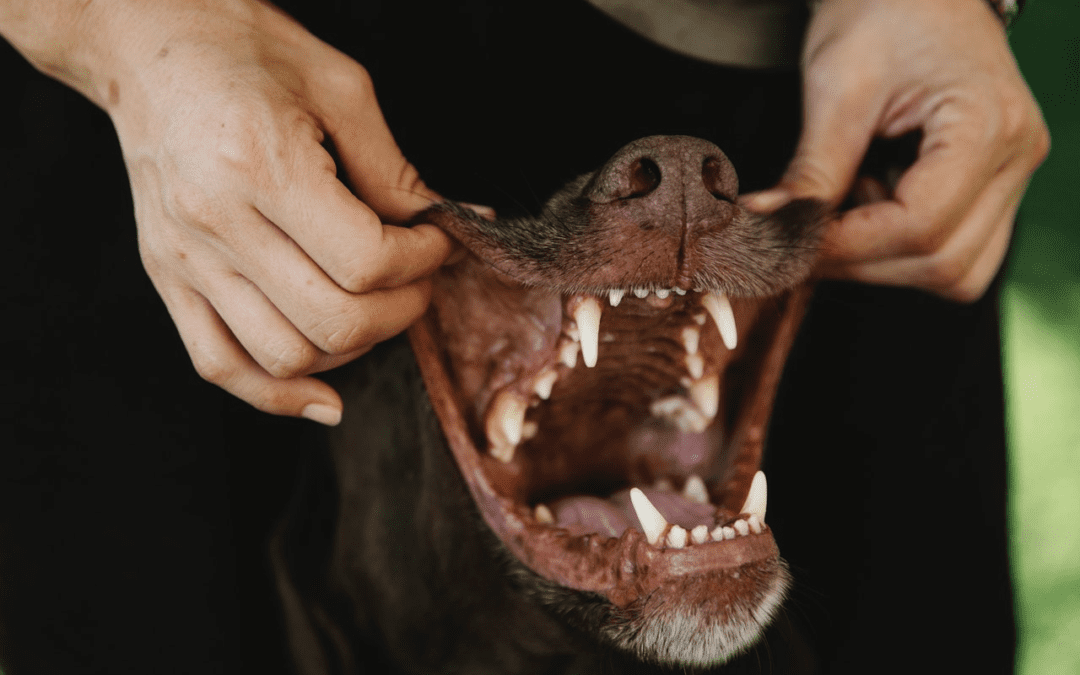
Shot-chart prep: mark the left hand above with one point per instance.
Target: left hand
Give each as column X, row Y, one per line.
column 887, row 67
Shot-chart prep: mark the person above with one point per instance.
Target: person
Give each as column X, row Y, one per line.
column 269, row 186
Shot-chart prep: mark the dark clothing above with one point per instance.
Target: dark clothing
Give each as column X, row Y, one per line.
column 135, row 500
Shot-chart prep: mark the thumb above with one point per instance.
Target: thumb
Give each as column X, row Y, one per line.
column 836, row 134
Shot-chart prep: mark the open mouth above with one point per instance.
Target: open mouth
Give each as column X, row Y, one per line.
column 608, row 413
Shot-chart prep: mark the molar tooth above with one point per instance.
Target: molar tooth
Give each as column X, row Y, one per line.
column 741, row 527
column 652, row 521
column 699, row 319
column 662, row 293
column 568, row 353
column 717, row 534
column 529, row 429
column 504, row 424
column 700, row 534
column 705, row 393
column 694, row 490
column 719, row 307
column 542, row 514
column 755, row 523
column 695, row 365
column 676, row 537
column 757, row 498
column 640, row 292
column 680, row 412
column 587, row 318
column 691, row 336
column 615, row 296
column 544, row 382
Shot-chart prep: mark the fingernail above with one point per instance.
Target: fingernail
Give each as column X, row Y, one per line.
column 766, row 200
column 322, row 413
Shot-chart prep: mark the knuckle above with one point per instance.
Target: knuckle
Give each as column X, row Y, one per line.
column 945, row 276
column 338, row 336
column 924, row 241
column 289, row 359
column 190, row 203
column 212, row 366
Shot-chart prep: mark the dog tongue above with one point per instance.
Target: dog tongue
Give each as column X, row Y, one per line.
column 582, row 514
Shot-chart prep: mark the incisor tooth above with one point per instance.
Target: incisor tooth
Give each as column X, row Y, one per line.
column 705, row 393
column 695, row 491
column 691, row 335
column 676, row 537
column 568, row 353
column 719, row 307
column 504, row 423
column 741, row 527
column 587, row 318
column 700, row 534
column 544, row 382
column 543, row 515
column 652, row 521
column 615, row 296
column 757, row 498
column 662, row 293
column 679, row 291
column 640, row 292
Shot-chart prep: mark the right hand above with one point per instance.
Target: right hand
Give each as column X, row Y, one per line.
column 271, row 268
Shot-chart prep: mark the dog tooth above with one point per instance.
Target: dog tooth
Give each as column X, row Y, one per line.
column 615, row 296
column 544, row 382
column 695, row 491
column 504, row 424
column 587, row 318
column 568, row 353
column 691, row 335
column 529, row 429
column 757, row 498
column 695, row 365
column 676, row 537
column 700, row 534
column 679, row 291
column 640, row 292
column 706, row 394
column 755, row 523
column 719, row 307
column 542, row 514
column 741, row 527
column 662, row 293
column 652, row 521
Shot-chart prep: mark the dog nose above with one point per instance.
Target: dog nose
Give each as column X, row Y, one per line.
column 671, row 168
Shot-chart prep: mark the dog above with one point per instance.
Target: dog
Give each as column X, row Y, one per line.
column 559, row 470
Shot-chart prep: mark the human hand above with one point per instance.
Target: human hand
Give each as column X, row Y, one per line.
column 888, row 67
column 269, row 266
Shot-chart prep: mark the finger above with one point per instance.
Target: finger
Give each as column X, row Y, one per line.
column 964, row 265
column 219, row 359
column 344, row 237
column 264, row 332
column 336, row 321
column 929, row 204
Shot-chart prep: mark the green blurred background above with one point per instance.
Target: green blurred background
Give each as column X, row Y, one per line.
column 1041, row 330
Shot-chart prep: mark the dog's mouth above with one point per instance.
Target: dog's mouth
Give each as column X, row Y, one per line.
column 612, row 439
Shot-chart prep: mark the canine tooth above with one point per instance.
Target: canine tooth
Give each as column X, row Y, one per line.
column 543, row 515
column 757, row 498
column 652, row 521
column 679, row 291
column 587, row 318
column 544, row 382
column 640, row 292
column 676, row 537
column 568, row 353
column 504, row 423
column 755, row 523
column 706, row 394
column 741, row 527
column 615, row 296
column 695, row 491
column 662, row 293
column 700, row 534
column 691, row 335
column 695, row 365
column 719, row 307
